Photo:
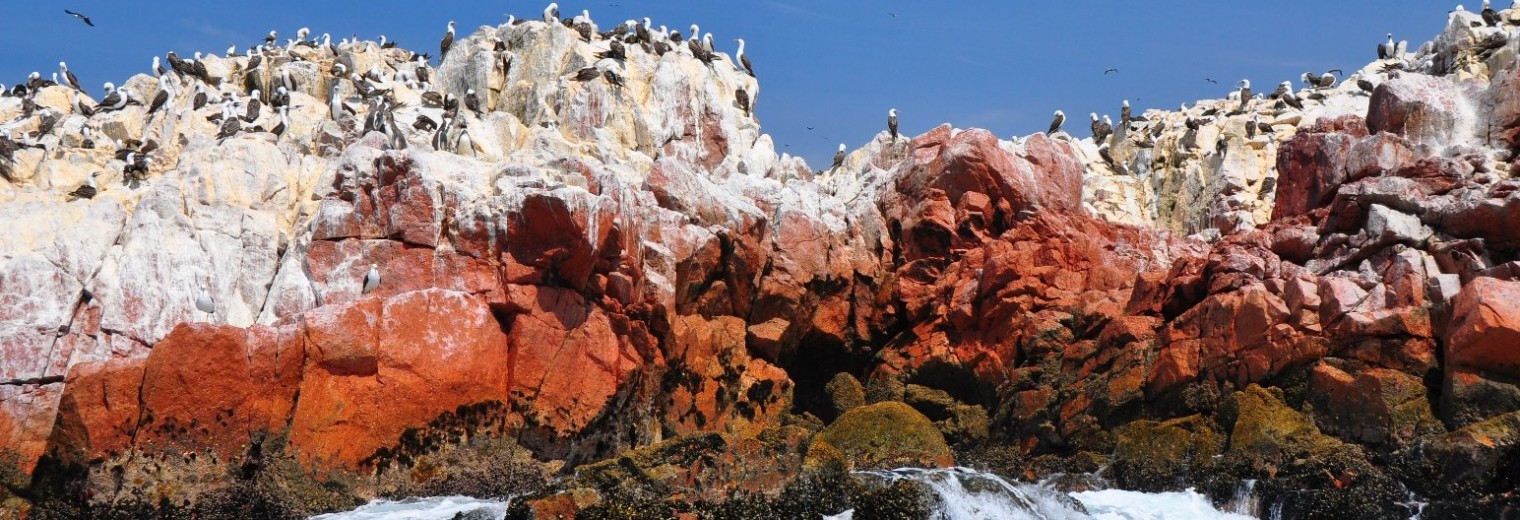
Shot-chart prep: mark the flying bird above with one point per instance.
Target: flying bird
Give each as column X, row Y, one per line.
column 80, row 16
column 1110, row 70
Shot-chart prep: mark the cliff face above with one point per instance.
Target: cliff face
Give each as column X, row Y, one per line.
column 588, row 268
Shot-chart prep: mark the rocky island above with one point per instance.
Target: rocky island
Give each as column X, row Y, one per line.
column 599, row 289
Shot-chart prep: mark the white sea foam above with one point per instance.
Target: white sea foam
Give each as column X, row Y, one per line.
column 1114, row 504
column 432, row 508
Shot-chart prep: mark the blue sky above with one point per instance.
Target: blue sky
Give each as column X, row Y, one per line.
column 833, row 65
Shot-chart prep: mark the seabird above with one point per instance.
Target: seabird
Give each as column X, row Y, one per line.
column 471, row 101
column 614, row 51
column 255, row 58
column 743, row 99
column 270, row 39
column 448, row 42
column 1100, row 130
column 1124, row 114
column 551, row 13
column 204, row 303
column 588, row 74
column 425, row 123
column 80, row 16
column 157, row 67
column 1245, row 93
column 254, row 104
column 86, row 191
column 372, row 279
column 838, row 157
column 67, row 75
column 116, row 100
column 1365, row 85
column 744, row 58
column 1385, row 49
column 161, row 97
column 230, row 127
column 1285, row 91
column 1055, row 124
column 199, row 101
column 79, row 106
column 892, row 123
column 279, row 129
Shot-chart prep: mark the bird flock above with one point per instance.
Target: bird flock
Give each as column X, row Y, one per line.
column 250, row 91
column 254, row 95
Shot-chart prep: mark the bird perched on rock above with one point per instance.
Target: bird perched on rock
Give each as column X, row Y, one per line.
column 372, row 279
column 892, row 123
column 68, row 75
column 838, row 157
column 1386, row 49
column 447, row 43
column 1055, row 124
column 1490, row 17
column 471, row 101
column 742, row 97
column 551, row 13
column 204, row 303
column 87, row 190
column 1100, row 129
column 744, row 58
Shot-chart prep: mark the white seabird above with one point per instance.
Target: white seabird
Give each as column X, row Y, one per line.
column 372, row 279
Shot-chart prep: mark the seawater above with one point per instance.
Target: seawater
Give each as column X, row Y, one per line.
column 964, row 494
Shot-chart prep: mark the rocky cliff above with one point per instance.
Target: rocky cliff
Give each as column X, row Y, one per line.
column 618, row 282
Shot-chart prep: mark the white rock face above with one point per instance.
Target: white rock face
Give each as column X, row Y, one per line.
column 669, row 155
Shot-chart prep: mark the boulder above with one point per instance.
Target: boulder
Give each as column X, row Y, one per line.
column 880, row 436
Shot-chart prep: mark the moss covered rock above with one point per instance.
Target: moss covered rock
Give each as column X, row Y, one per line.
column 845, row 393
column 882, row 435
column 1161, row 455
column 961, row 423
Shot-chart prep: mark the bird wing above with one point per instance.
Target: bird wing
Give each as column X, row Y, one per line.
column 81, row 17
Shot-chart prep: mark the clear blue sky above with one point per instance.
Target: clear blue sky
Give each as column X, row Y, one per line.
column 834, row 65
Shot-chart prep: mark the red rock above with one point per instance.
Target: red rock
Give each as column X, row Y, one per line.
column 436, row 351
column 1485, row 329
column 100, row 410
column 720, row 387
column 566, row 359
column 1310, row 166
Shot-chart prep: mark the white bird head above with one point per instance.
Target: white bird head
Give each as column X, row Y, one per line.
column 1126, row 103
column 1107, row 121
column 451, row 26
column 34, row 75
column 841, row 147
column 1060, row 114
column 469, row 92
column 892, row 112
column 254, row 94
column 110, row 87
column 1094, row 116
column 63, row 65
column 1245, row 83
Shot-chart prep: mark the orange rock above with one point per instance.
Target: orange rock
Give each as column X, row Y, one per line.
column 1485, row 329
